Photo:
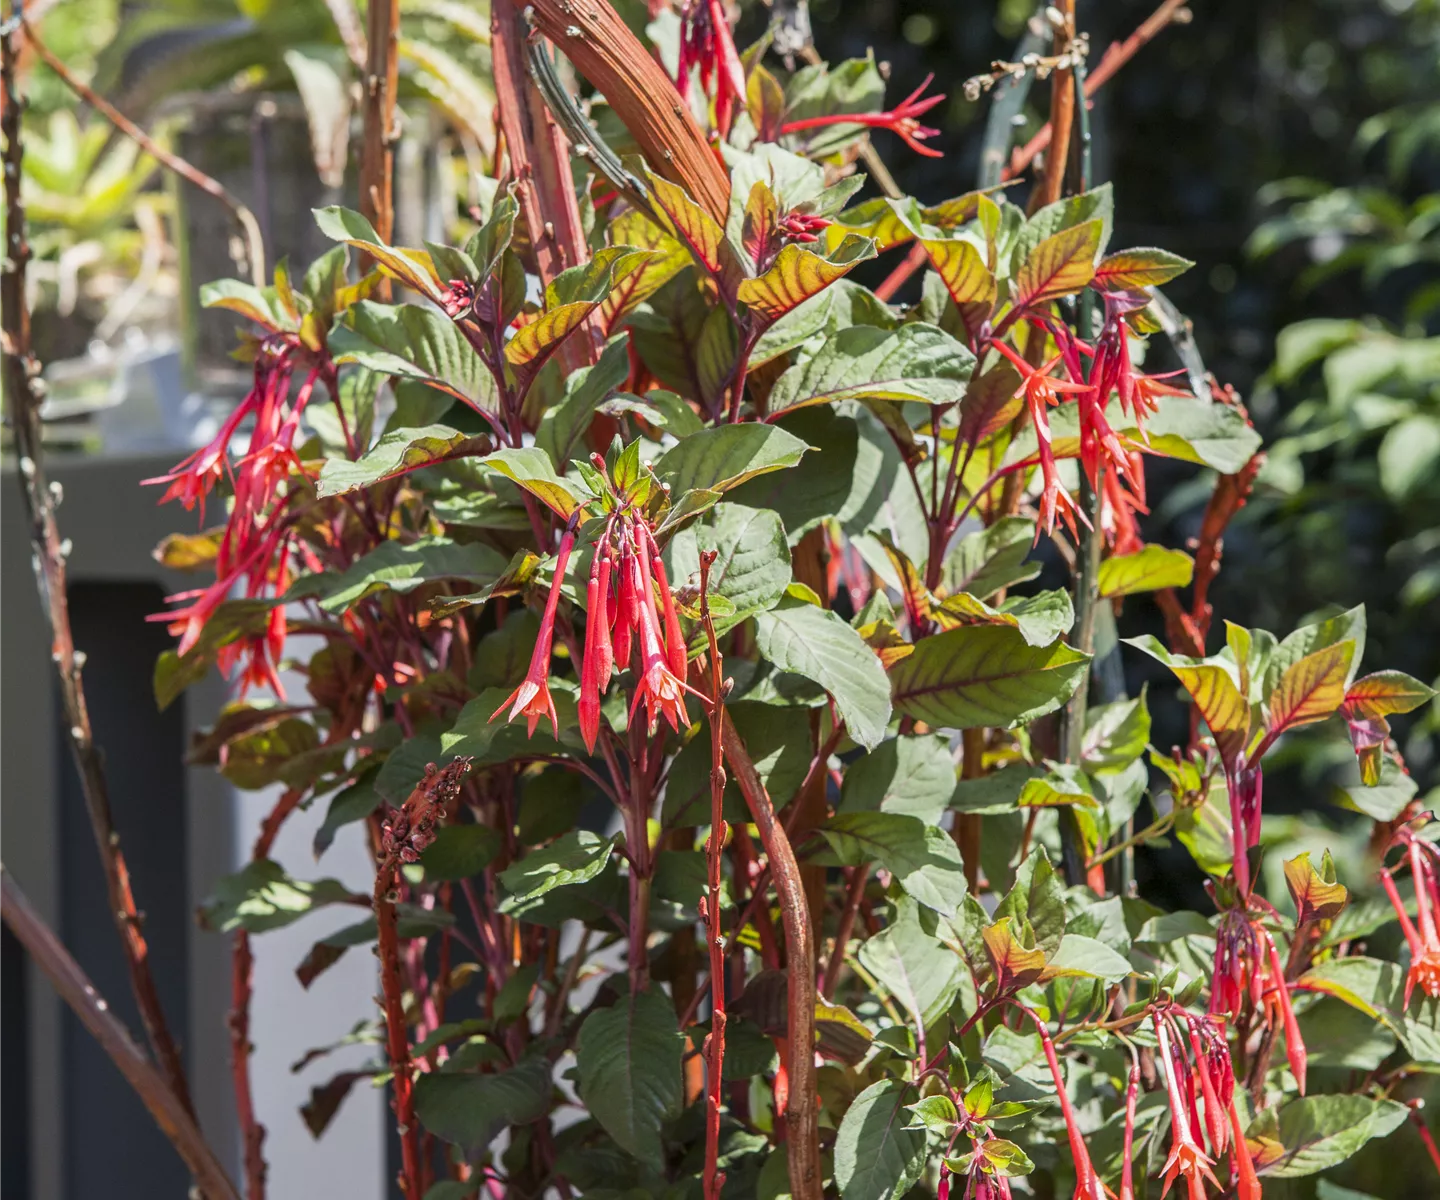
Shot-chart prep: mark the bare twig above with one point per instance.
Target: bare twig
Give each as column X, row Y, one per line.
column 1062, row 114
column 1117, row 54
column 255, row 244
column 64, row 973
column 23, row 393
column 802, row 1142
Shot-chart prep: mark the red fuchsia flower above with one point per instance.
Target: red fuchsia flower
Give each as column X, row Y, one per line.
column 1423, row 942
column 902, row 120
column 1187, row 1157
column 457, row 298
column 706, row 43
column 1127, row 1156
column 803, row 227
column 1242, row 1166
column 1087, row 1181
column 1217, row 1077
column 195, row 477
column 1279, row 1002
column 533, row 697
column 662, row 692
column 1040, row 391
column 599, row 658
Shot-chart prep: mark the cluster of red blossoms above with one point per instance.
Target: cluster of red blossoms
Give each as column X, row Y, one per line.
column 1249, row 973
column 1111, row 372
column 1422, row 858
column 631, row 620
column 706, row 43
column 255, row 550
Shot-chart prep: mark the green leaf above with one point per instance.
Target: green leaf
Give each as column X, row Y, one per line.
column 936, row 1113
column 262, row 897
column 1060, row 265
column 629, row 1066
column 530, row 468
column 1037, row 901
column 726, row 456
column 922, row 857
column 826, row 479
column 411, row 267
column 752, row 564
column 1144, row 267
column 460, row 851
column 577, row 857
column 1040, row 619
column 348, row 805
column 562, row 428
column 1146, row 570
column 261, row 305
column 1385, row 693
column 799, row 273
column 818, row 644
column 469, row 1109
column 876, row 1156
column 1409, row 454
column 397, row 451
column 1319, row 1132
column 991, row 559
column 1311, row 688
column 1115, row 734
column 915, row 362
column 1087, row 958
column 1212, row 686
column 962, row 269
column 415, row 343
column 1194, row 430
column 1308, row 639
column 910, row 775
column 401, row 568
column 984, row 675
column 913, row 965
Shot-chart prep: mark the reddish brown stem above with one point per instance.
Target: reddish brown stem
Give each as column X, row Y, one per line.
column 1062, row 116
column 802, row 1143
column 377, row 147
column 539, row 155
column 1425, row 1136
column 1115, row 57
column 859, row 877
column 714, row 1179
column 23, row 399
column 596, row 39
column 397, row 1035
column 154, row 1091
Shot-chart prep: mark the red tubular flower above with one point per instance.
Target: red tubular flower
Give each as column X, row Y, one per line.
column 675, row 651
column 660, row 689
column 195, row 477
column 1087, row 1182
column 803, row 227
column 595, row 670
column 623, row 616
column 1423, row 942
column 1247, row 1184
column 1040, row 391
column 1132, row 1093
column 533, row 697
column 1295, row 1053
column 1215, row 1125
column 707, row 43
column 902, row 120
column 1187, row 1157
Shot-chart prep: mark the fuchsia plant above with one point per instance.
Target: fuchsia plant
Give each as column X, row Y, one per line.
column 882, row 679
column 747, row 547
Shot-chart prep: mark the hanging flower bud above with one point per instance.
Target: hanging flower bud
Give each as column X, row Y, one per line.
column 1280, row 1001
column 594, row 671
column 533, row 697
column 1187, row 1158
column 623, row 621
column 675, row 653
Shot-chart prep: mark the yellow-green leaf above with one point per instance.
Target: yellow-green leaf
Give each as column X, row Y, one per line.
column 961, row 269
column 411, row 267
column 1146, row 570
column 799, row 273
column 1060, row 265
column 1311, row 689
column 1141, row 268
